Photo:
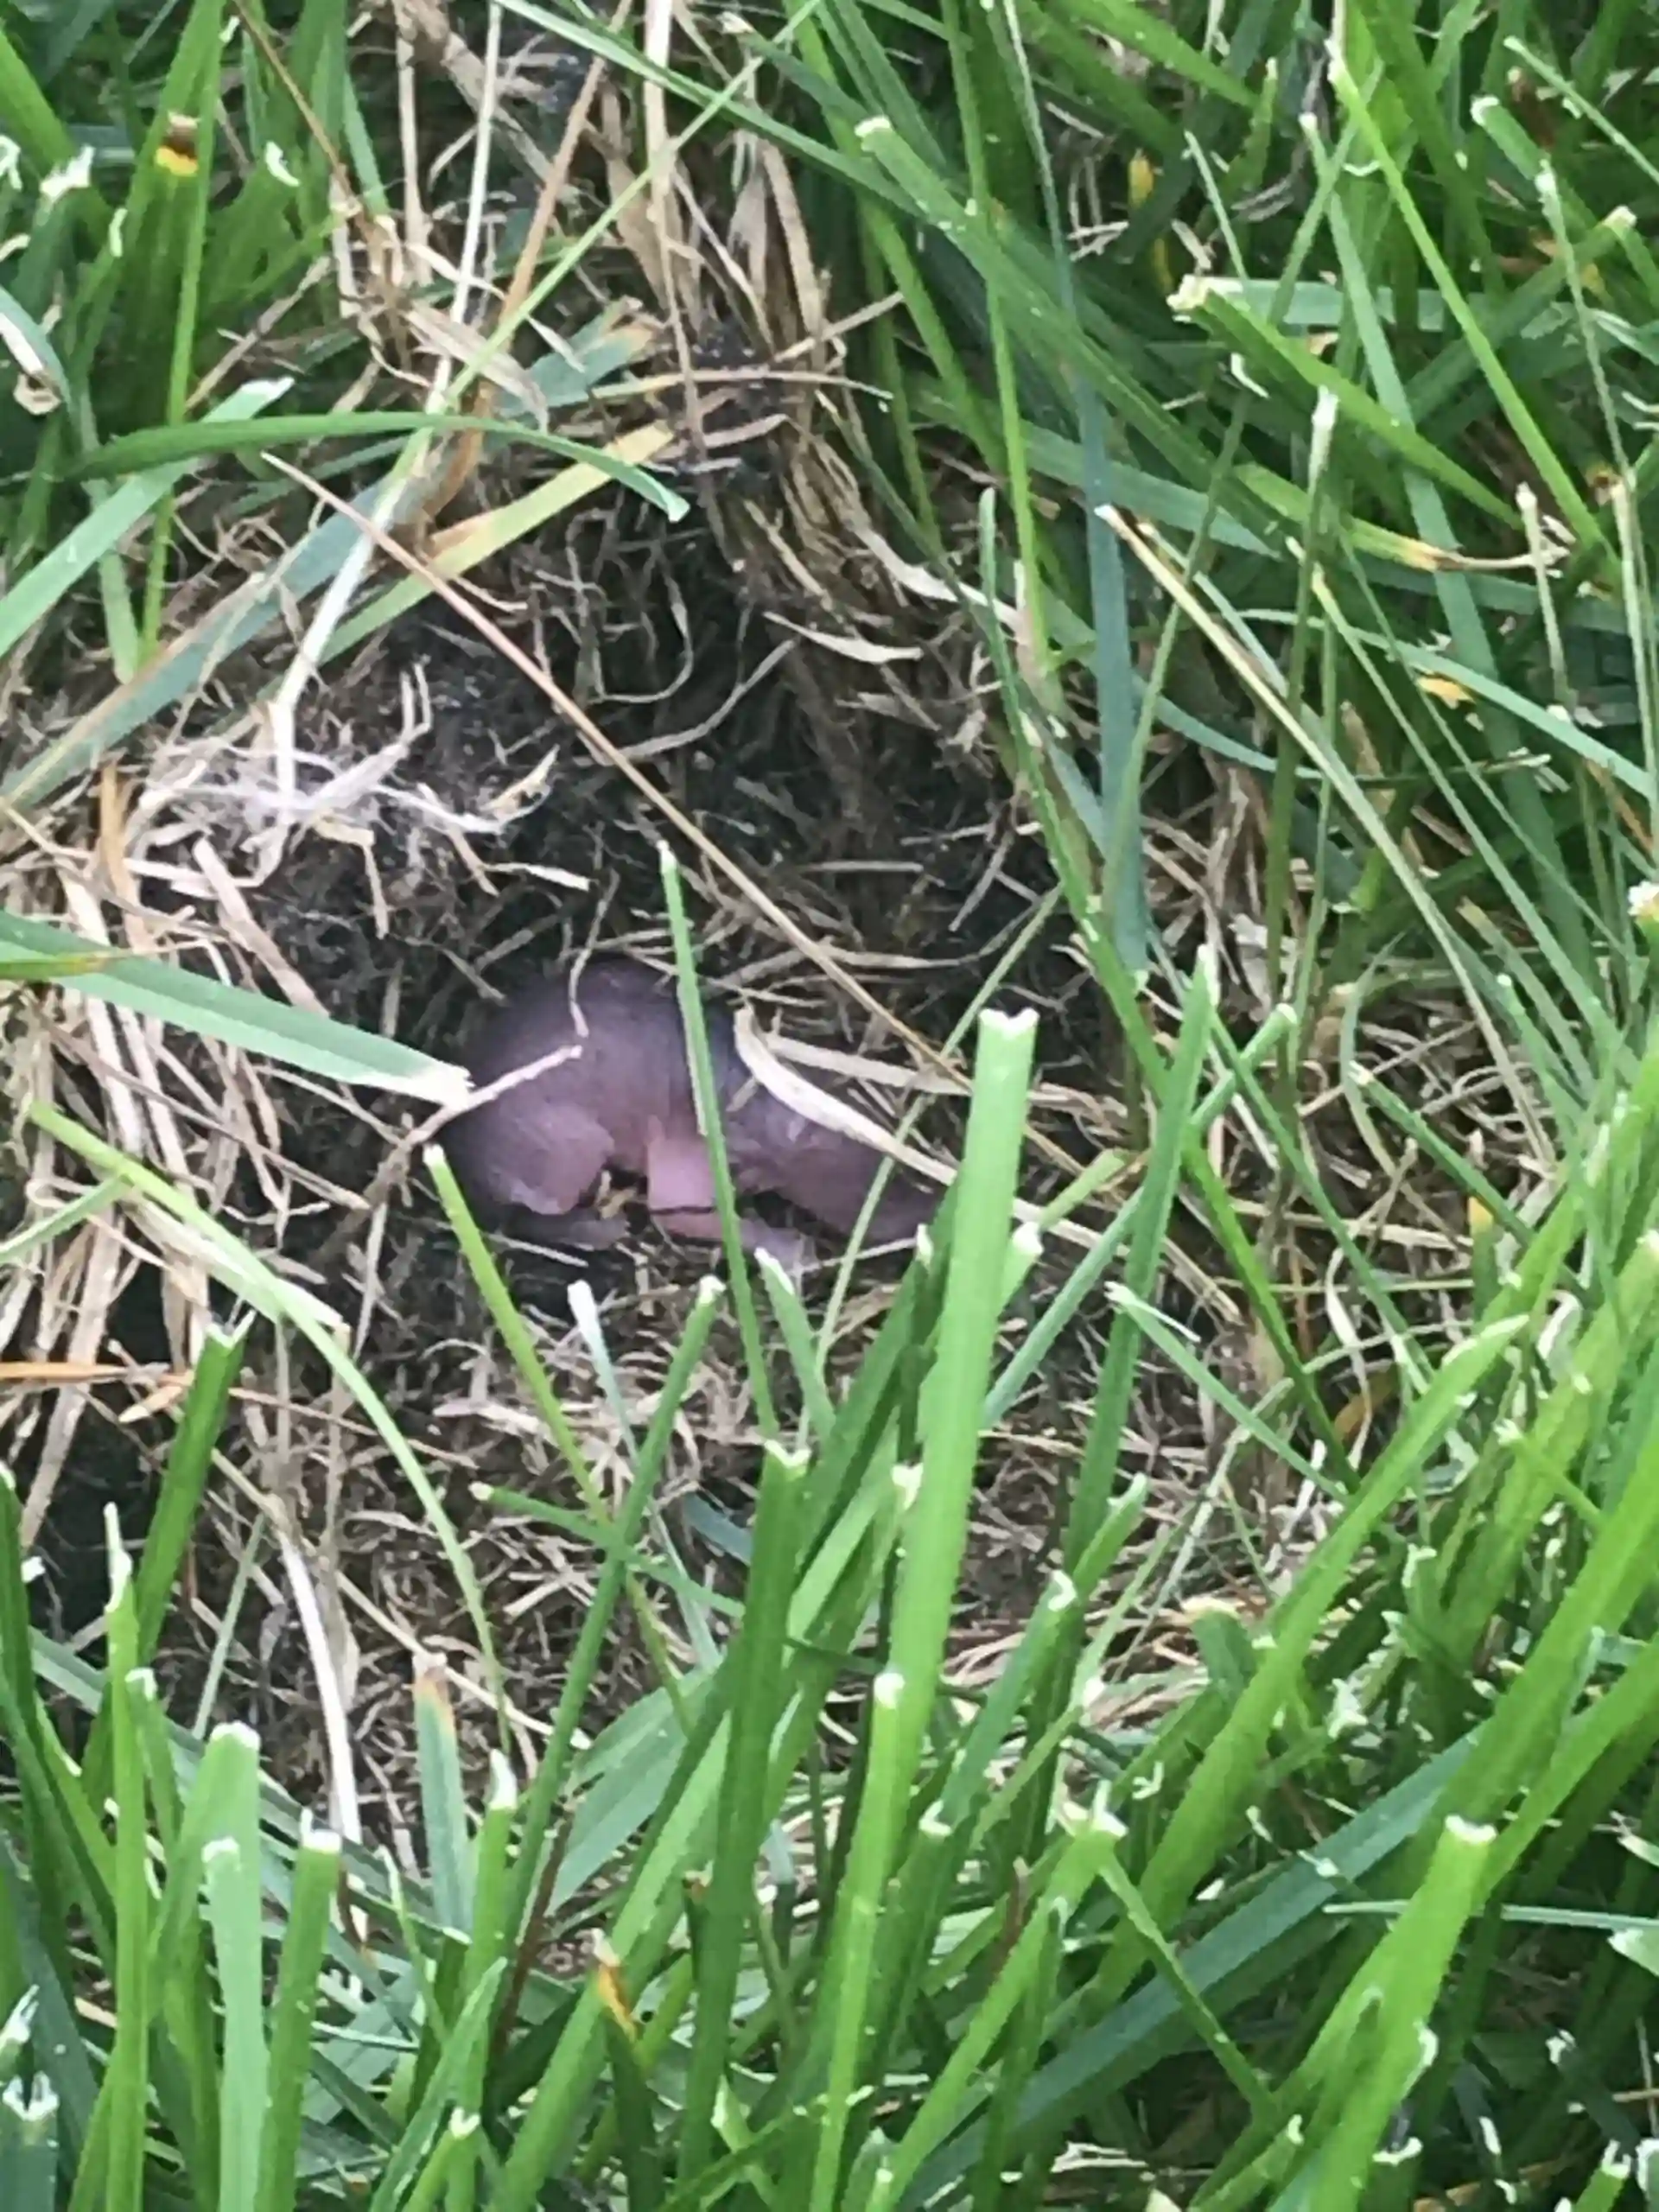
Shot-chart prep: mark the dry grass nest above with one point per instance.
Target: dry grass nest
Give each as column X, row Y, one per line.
column 430, row 834
column 401, row 912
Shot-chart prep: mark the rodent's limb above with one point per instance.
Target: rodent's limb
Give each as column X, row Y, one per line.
column 678, row 1177
column 681, row 1192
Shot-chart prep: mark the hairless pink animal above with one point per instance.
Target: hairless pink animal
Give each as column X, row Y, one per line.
column 620, row 1097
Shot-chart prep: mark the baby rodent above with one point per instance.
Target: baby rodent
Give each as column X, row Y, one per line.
column 619, row 1096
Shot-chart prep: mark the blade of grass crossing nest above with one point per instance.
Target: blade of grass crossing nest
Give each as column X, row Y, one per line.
column 673, row 259
column 634, row 226
column 852, row 1067
column 97, row 1263
column 815, row 1105
column 334, row 1666
column 611, row 755
column 797, row 250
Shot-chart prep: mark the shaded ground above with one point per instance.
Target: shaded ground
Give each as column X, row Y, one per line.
column 403, row 903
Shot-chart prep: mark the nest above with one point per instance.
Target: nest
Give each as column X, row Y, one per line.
column 428, row 830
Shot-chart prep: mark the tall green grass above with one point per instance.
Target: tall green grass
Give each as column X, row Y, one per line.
column 192, row 200
column 1325, row 1871
column 1334, row 459
column 1357, row 340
